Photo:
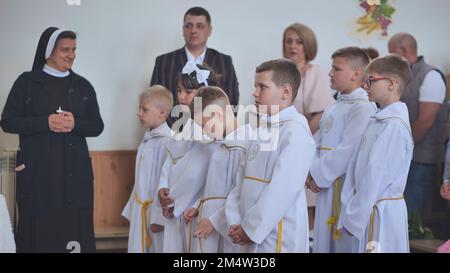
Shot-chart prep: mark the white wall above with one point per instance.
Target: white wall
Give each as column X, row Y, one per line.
column 119, row 40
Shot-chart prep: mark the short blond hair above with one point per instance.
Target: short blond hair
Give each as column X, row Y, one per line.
column 392, row 65
column 308, row 38
column 160, row 96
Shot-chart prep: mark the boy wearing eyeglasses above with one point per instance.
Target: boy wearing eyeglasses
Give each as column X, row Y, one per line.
column 341, row 128
column 373, row 208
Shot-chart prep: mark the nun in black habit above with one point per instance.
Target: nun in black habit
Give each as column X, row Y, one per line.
column 53, row 110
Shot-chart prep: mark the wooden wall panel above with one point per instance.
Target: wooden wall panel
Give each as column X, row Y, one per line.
column 113, row 183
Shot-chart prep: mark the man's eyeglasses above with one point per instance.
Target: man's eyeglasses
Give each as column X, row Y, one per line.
column 370, row 80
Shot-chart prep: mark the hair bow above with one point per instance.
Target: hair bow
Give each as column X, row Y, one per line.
column 202, row 75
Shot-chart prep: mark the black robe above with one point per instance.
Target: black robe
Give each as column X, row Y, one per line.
column 55, row 190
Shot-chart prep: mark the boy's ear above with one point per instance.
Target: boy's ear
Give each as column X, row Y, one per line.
column 162, row 113
column 393, row 85
column 358, row 74
column 287, row 91
column 216, row 115
column 220, row 115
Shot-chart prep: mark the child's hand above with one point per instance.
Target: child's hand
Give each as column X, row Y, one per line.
column 311, row 184
column 164, row 197
column 445, row 190
column 156, row 228
column 204, row 229
column 232, row 233
column 190, row 214
column 168, row 213
column 243, row 237
column 238, row 235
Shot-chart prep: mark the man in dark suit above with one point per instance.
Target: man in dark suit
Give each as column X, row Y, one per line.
column 196, row 31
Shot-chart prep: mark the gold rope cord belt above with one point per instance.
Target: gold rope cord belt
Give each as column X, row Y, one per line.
column 257, row 179
column 326, row 148
column 280, row 236
column 146, row 241
column 174, row 159
column 333, row 220
column 200, row 214
column 372, row 216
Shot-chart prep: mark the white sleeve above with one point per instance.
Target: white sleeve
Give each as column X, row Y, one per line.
column 232, row 204
column 197, row 203
column 219, row 222
column 163, row 179
column 433, row 88
column 237, row 164
column 126, row 212
column 156, row 216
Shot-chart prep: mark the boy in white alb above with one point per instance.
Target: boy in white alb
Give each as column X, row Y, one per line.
column 341, row 128
column 184, row 172
column 373, row 208
column 155, row 105
column 266, row 210
column 227, row 162
column 181, row 184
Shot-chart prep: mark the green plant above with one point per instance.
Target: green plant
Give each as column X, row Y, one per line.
column 416, row 228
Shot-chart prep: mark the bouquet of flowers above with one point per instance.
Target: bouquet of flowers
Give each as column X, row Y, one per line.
column 377, row 18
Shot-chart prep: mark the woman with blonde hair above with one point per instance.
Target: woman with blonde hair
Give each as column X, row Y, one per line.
column 314, row 94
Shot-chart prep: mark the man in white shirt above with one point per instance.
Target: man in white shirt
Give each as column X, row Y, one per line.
column 426, row 100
